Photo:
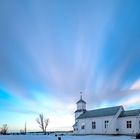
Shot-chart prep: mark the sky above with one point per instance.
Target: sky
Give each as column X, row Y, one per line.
column 51, row 50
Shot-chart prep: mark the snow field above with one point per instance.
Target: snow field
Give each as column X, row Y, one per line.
column 46, row 137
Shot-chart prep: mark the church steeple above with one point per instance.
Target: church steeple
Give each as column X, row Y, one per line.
column 81, row 107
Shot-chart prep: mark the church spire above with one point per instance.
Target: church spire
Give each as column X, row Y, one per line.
column 81, row 99
column 81, row 95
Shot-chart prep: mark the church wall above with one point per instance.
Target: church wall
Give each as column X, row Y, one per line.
column 114, row 123
column 122, row 122
column 100, row 126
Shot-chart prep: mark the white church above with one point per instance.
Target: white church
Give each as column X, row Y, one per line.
column 111, row 120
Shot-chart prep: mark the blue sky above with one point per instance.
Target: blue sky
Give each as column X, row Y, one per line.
column 50, row 50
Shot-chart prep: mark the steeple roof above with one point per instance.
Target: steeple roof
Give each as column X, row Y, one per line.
column 81, row 100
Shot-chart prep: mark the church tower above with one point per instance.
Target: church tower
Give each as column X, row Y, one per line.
column 81, row 107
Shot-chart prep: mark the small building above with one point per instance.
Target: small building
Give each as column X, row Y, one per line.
column 111, row 120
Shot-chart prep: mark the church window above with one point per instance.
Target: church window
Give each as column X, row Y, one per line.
column 106, row 124
column 75, row 129
column 93, row 125
column 83, row 127
column 129, row 124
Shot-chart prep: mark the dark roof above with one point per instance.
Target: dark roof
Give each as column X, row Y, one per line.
column 80, row 110
column 81, row 100
column 75, row 124
column 130, row 113
column 100, row 112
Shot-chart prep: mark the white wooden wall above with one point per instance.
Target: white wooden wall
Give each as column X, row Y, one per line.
column 119, row 123
column 122, row 122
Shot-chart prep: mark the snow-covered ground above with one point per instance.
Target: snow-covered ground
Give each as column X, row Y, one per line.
column 46, row 137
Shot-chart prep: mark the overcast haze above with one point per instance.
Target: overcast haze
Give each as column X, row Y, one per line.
column 50, row 50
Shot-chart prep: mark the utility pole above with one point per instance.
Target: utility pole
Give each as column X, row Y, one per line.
column 25, row 128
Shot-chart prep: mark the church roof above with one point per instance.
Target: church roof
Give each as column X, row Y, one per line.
column 100, row 112
column 75, row 124
column 128, row 113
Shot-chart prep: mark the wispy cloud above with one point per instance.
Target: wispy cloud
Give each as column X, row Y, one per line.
column 135, row 85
